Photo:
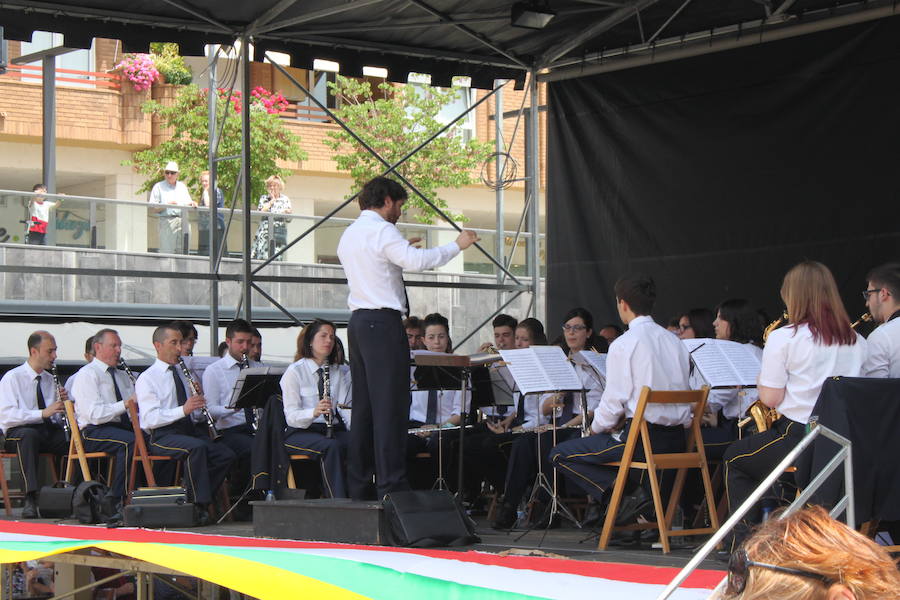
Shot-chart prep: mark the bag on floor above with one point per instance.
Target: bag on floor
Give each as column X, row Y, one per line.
column 426, row 518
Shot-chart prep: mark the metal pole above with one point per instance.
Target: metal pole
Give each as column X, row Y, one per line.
column 48, row 76
column 213, row 238
column 499, row 250
column 533, row 179
column 245, row 169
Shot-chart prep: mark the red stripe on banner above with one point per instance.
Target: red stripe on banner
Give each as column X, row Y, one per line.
column 707, row 579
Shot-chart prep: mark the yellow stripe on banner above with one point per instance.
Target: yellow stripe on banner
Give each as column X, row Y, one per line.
column 8, row 556
column 246, row 576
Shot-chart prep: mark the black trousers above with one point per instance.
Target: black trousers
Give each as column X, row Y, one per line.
column 486, row 456
column 206, row 463
column 748, row 461
column 523, row 462
column 379, row 366
column 331, row 452
column 239, row 439
column 581, row 460
column 115, row 440
column 29, row 441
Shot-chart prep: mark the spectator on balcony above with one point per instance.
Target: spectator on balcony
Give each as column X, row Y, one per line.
column 39, row 215
column 174, row 194
column 274, row 202
column 203, row 217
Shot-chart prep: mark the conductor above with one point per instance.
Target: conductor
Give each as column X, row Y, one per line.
column 374, row 254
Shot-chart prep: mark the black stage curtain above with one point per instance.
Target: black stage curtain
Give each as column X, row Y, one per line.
column 716, row 174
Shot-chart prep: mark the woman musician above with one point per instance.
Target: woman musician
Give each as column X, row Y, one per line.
column 816, row 344
column 315, row 387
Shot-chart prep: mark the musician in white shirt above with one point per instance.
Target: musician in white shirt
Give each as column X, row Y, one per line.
column 645, row 355
column 883, row 301
column 578, row 334
column 104, row 394
column 312, row 401
column 27, row 403
column 374, row 254
column 817, row 344
column 171, row 413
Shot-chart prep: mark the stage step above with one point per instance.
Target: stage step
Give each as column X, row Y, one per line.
column 327, row 520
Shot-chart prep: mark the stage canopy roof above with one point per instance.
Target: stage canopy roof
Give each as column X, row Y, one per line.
column 444, row 38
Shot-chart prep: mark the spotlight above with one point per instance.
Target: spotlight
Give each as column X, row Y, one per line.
column 530, row 15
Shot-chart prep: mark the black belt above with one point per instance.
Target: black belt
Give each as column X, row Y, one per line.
column 388, row 310
column 658, row 427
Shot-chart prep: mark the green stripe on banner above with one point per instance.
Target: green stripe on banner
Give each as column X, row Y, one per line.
column 373, row 581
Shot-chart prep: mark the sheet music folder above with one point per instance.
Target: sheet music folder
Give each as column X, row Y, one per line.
column 254, row 387
column 541, row 369
column 490, row 389
column 724, row 363
column 441, row 371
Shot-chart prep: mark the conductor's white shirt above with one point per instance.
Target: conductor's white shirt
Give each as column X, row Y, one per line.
column 18, row 396
column 218, row 387
column 157, row 398
column 300, row 391
column 793, row 361
column 374, row 254
column 97, row 403
column 646, row 354
column 883, row 359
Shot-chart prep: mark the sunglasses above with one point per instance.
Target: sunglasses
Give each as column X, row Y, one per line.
column 171, row 172
column 739, row 566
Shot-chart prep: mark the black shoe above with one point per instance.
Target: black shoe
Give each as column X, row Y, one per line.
column 29, row 509
column 202, row 517
column 594, row 515
column 632, row 506
column 506, row 517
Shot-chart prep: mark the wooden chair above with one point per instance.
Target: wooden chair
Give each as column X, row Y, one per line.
column 141, row 455
column 693, row 457
column 4, row 484
column 76, row 450
column 291, row 482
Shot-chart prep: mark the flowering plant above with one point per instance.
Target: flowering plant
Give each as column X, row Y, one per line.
column 140, row 70
column 261, row 98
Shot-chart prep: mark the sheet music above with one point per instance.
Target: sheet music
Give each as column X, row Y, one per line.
column 724, row 363
column 541, row 369
column 595, row 361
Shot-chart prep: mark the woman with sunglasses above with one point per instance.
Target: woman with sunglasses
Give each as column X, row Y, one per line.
column 816, row 344
column 810, row 556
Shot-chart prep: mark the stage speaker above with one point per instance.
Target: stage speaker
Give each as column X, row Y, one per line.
column 426, row 518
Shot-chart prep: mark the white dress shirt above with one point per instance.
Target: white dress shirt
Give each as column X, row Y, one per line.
column 157, row 398
column 300, row 392
column 218, row 388
column 794, row 362
column 447, row 406
column 374, row 254
column 18, row 396
column 883, row 356
column 733, row 402
column 97, row 402
column 646, row 354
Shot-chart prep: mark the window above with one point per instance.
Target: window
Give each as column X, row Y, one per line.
column 79, row 60
column 465, row 127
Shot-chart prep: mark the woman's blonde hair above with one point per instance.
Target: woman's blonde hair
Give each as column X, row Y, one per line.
column 811, row 296
column 277, row 180
column 810, row 540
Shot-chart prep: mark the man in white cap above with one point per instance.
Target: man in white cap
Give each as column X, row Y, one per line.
column 174, row 193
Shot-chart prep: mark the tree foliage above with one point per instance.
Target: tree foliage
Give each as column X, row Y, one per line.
column 270, row 141
column 394, row 119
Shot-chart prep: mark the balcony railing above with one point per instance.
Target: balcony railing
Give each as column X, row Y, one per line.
column 69, row 76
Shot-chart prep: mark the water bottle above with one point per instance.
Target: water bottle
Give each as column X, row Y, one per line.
column 270, row 496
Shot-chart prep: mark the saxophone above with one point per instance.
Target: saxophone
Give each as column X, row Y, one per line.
column 864, row 318
column 759, row 414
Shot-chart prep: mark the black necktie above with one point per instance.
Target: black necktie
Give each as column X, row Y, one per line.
column 39, row 394
column 180, row 393
column 520, row 411
column 123, row 418
column 568, row 411
column 431, row 412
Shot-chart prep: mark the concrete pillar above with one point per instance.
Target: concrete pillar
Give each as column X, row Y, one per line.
column 125, row 225
column 303, row 251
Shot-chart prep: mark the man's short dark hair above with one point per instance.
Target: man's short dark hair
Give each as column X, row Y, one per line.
column 502, row 320
column 375, row 191
column 887, row 276
column 186, row 328
column 39, row 186
column 413, row 323
column 256, row 333
column 639, row 291
column 614, row 327
column 35, row 339
column 238, row 326
column 161, row 333
column 97, row 338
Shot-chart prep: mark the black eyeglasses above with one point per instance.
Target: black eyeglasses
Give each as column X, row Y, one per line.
column 867, row 292
column 568, row 327
column 739, row 566
column 171, row 172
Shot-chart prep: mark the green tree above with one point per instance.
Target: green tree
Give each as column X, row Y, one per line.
column 394, row 119
column 270, row 140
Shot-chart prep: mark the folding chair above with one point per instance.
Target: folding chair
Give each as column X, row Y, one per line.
column 4, row 484
column 693, row 457
column 141, row 455
column 291, row 482
column 76, row 450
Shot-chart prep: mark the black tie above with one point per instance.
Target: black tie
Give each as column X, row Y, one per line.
column 123, row 418
column 568, row 411
column 180, row 393
column 520, row 411
column 431, row 412
column 40, row 394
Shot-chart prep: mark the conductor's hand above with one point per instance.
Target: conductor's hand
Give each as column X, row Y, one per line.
column 193, row 403
column 324, row 406
column 466, row 238
column 56, row 407
column 415, row 241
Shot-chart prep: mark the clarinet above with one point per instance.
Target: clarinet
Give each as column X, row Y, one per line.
column 124, row 366
column 326, row 395
column 64, row 421
column 195, row 390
